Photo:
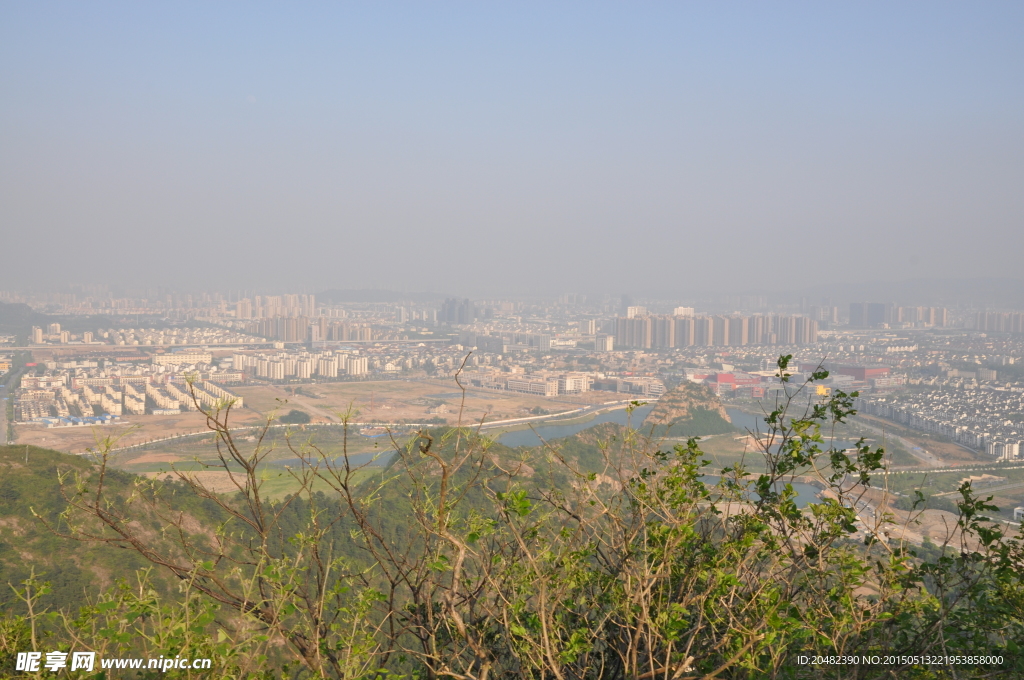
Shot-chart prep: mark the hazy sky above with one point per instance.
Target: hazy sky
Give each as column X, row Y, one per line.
column 491, row 147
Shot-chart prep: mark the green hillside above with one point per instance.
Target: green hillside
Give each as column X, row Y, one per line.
column 31, row 498
column 73, row 568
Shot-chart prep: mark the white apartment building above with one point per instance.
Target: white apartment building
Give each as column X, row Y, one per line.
column 327, row 367
column 357, row 365
column 275, row 371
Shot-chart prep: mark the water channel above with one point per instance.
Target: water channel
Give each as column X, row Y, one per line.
column 547, row 432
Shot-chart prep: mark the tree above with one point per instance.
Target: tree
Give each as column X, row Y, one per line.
column 295, row 417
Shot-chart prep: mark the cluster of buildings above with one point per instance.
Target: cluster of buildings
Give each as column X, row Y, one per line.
column 305, row 329
column 999, row 322
column 271, row 306
column 976, row 419
column 84, row 392
column 889, row 315
column 727, row 382
column 547, row 383
column 301, row 365
column 965, row 386
column 647, row 331
column 53, row 334
column 299, row 318
column 62, row 406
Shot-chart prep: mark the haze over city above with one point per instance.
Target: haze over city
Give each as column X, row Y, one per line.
column 519, row 148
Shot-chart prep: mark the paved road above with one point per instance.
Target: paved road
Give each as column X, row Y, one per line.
column 565, row 415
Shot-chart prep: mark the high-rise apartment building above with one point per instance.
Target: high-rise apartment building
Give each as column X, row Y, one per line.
column 327, row 367
column 872, row 314
column 1000, row 322
column 358, row 365
column 243, row 309
column 633, row 332
column 714, row 331
column 457, row 312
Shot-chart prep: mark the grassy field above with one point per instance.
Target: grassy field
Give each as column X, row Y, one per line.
column 275, row 482
column 278, row 484
column 279, row 444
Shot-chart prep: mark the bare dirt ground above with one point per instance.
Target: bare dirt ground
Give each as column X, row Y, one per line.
column 217, row 481
column 148, row 457
column 938, row 526
column 406, row 400
column 130, row 430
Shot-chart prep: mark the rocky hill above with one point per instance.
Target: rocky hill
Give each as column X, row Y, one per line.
column 689, row 410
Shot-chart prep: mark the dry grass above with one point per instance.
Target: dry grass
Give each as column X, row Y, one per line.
column 131, row 430
column 405, row 400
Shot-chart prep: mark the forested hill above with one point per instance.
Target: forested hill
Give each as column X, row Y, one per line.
column 18, row 319
column 77, row 570
column 74, row 569
column 30, row 498
column 689, row 410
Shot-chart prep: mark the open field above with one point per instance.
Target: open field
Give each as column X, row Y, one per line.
column 405, row 400
column 130, row 430
column 372, row 401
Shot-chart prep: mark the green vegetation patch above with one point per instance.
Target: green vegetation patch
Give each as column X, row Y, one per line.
column 700, row 422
